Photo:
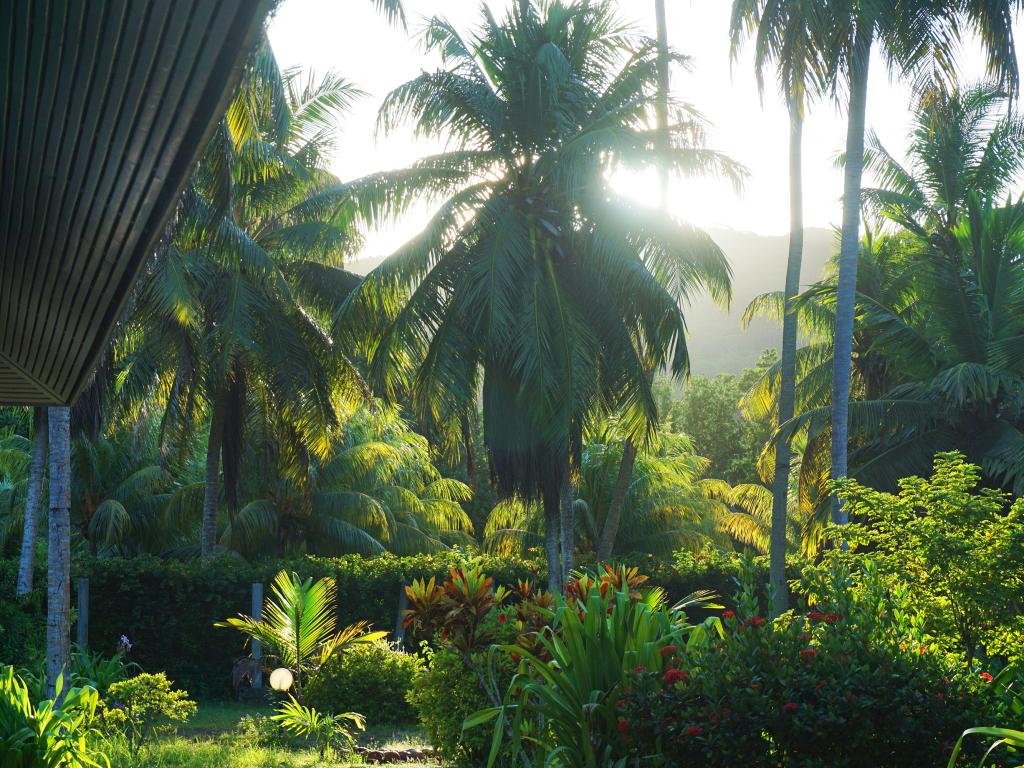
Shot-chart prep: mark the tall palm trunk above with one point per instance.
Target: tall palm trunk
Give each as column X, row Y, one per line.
column 617, row 502
column 625, row 476
column 846, row 291
column 568, row 515
column 552, row 539
column 211, row 482
column 36, row 472
column 787, row 394
column 58, row 586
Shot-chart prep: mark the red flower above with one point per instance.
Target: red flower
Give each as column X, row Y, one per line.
column 668, row 650
column 623, row 727
column 694, row 730
column 819, row 686
column 791, row 707
column 639, row 669
column 726, row 712
column 673, row 676
column 715, row 718
column 755, row 621
column 986, row 677
column 501, row 618
column 831, row 618
column 728, row 614
column 808, row 653
column 816, row 616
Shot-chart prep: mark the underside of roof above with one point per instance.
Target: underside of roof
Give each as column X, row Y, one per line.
column 105, row 105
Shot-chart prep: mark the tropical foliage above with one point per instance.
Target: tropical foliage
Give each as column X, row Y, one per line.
column 298, row 626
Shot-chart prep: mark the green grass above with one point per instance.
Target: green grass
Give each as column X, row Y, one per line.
column 215, row 717
column 211, row 740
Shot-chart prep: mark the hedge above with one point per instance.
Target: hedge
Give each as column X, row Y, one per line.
column 167, row 608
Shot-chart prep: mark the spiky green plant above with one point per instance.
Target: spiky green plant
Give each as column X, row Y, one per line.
column 298, row 626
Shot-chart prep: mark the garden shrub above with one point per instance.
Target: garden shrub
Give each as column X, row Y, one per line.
column 444, row 693
column 851, row 684
column 961, row 546
column 139, row 705
column 372, row 679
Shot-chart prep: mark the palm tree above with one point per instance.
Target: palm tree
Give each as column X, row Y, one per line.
column 528, row 281
column 912, row 34
column 379, row 492
column 957, row 348
column 885, row 278
column 963, row 140
column 785, row 39
column 118, row 496
column 229, row 317
column 33, row 501
column 298, row 626
column 58, row 578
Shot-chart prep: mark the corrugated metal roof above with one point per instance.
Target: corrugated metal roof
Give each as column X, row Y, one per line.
column 104, row 107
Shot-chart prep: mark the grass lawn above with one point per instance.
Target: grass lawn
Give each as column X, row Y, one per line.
column 211, row 740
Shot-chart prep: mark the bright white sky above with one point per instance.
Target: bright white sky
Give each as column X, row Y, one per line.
column 347, row 36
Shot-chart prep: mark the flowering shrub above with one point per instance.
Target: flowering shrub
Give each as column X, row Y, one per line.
column 851, row 683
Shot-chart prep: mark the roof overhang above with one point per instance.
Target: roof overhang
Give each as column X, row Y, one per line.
column 105, row 106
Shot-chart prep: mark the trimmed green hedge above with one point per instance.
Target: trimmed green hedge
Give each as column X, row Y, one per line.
column 167, row 608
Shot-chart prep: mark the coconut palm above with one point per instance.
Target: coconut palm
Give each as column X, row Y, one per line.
column 784, row 34
column 958, row 351
column 118, row 496
column 379, row 491
column 529, row 281
column 963, row 140
column 913, row 36
column 228, row 321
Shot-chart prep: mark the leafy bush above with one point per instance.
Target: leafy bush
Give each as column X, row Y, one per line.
column 444, row 693
column 373, row 678
column 144, row 702
column 960, row 546
column 852, row 683
column 43, row 735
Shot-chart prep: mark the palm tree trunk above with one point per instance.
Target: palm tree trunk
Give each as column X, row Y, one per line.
column 625, row 476
column 568, row 519
column 787, row 393
column 467, row 446
column 618, row 502
column 552, row 540
column 30, row 528
column 846, row 291
column 58, row 586
column 211, row 484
